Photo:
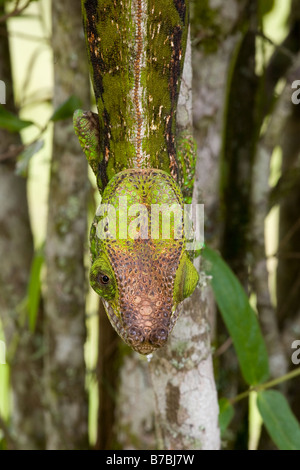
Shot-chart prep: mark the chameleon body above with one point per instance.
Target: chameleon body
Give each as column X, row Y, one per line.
column 136, row 52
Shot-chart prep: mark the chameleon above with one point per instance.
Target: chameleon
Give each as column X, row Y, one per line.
column 136, row 51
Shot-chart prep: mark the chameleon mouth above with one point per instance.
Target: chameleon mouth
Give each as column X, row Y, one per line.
column 146, row 340
column 143, row 340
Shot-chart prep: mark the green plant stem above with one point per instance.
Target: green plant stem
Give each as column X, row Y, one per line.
column 271, row 383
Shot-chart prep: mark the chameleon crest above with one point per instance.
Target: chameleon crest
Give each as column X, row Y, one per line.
column 136, row 52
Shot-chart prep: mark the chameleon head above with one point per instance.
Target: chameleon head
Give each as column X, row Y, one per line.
column 140, row 273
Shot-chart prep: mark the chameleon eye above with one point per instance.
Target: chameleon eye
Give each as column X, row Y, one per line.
column 104, row 279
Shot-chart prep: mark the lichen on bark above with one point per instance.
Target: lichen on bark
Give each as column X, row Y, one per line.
column 64, row 373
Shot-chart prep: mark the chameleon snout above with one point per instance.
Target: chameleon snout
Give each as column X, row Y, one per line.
column 146, row 325
column 146, row 340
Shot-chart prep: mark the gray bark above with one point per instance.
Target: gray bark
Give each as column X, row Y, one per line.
column 16, row 253
column 108, row 366
column 260, row 274
column 182, row 372
column 278, row 67
column 183, row 383
column 134, row 427
column 217, row 33
column 66, row 417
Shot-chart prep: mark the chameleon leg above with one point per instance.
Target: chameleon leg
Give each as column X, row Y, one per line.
column 86, row 125
column 186, row 159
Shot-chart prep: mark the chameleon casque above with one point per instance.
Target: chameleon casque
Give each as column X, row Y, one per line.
column 136, row 51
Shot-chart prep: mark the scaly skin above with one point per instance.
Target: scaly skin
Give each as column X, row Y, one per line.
column 136, row 53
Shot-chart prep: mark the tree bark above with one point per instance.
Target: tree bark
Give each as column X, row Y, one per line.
column 66, row 417
column 288, row 269
column 108, row 381
column 134, row 426
column 277, row 68
column 288, row 266
column 218, row 31
column 16, row 254
column 182, row 372
column 183, row 383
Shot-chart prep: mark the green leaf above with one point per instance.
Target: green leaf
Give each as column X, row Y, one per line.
column 34, row 288
column 279, row 419
column 25, row 157
column 11, row 122
column 226, row 412
column 240, row 319
column 66, row 109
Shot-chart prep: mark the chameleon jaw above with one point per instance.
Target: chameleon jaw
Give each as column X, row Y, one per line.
column 143, row 338
column 146, row 340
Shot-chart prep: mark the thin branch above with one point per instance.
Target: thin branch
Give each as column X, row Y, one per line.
column 289, row 255
column 17, row 149
column 292, row 292
column 223, row 348
column 28, row 37
column 286, row 255
column 278, row 47
column 12, row 153
column 289, row 235
column 15, row 12
column 259, row 388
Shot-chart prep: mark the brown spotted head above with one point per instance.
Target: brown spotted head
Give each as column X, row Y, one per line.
column 140, row 266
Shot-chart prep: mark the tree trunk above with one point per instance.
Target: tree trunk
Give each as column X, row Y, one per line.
column 288, row 270
column 182, row 373
column 108, row 380
column 16, row 254
column 134, row 427
column 66, row 424
column 183, row 383
column 277, row 68
column 217, row 34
